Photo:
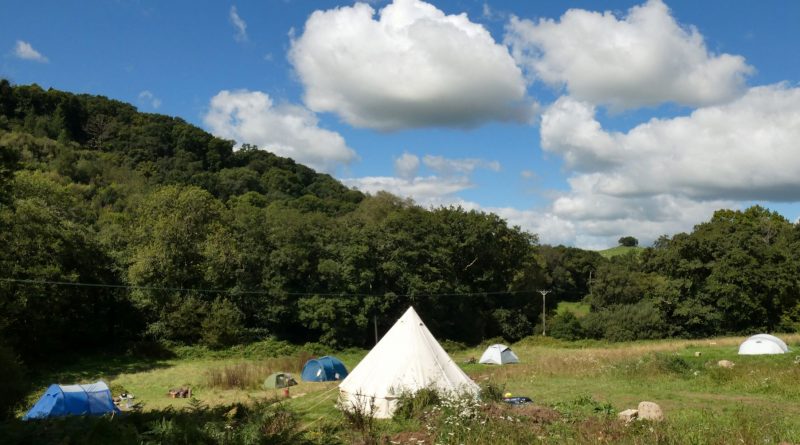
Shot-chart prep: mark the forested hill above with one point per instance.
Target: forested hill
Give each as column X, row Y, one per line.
column 119, row 228
column 93, row 134
column 194, row 242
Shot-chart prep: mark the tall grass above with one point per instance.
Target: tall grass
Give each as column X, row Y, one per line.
column 251, row 375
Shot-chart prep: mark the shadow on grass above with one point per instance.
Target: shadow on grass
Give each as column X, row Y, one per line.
column 269, row 421
column 78, row 368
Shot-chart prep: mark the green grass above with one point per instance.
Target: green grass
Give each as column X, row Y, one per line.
column 619, row 250
column 581, row 383
column 579, row 309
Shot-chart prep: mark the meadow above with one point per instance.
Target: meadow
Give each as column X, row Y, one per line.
column 577, row 387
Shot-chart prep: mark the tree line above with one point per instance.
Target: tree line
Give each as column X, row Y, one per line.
column 185, row 240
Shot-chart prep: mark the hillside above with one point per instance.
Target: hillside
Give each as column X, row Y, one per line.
column 619, row 250
column 138, row 228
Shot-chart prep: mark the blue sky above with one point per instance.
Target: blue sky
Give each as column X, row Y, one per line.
column 581, row 121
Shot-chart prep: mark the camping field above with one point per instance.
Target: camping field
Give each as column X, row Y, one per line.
column 578, row 387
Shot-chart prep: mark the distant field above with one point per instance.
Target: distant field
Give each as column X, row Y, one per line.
column 619, row 250
column 583, row 383
column 578, row 308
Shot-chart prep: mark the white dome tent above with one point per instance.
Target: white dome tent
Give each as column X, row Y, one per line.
column 408, row 358
column 761, row 344
column 498, row 355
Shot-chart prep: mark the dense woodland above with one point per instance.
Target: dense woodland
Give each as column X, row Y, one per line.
column 188, row 241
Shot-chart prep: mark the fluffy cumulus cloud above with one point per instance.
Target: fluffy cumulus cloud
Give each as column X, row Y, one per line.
column 746, row 149
column 24, row 50
column 447, row 178
column 645, row 58
column 285, row 129
column 665, row 175
column 410, row 66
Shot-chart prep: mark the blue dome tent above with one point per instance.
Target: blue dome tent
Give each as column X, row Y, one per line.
column 73, row 400
column 323, row 369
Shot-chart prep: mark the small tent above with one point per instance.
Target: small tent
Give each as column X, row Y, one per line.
column 498, row 355
column 323, row 369
column 761, row 344
column 73, row 400
column 408, row 358
column 279, row 380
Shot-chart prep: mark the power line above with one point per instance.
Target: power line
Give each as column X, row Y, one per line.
column 251, row 292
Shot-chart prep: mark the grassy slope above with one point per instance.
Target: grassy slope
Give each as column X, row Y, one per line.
column 579, row 309
column 693, row 395
column 619, row 250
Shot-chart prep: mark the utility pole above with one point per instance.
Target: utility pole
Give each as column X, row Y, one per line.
column 544, row 311
column 375, row 323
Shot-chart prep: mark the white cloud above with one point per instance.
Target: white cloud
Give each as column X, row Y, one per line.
column 450, row 167
column 238, row 24
column 450, row 177
column 645, row 58
column 666, row 175
column 406, row 166
column 743, row 150
column 412, row 66
column 149, row 98
column 430, row 191
column 287, row 130
column 24, row 50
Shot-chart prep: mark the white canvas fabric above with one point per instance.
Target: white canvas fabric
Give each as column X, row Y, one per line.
column 760, row 344
column 498, row 355
column 408, row 358
column 773, row 339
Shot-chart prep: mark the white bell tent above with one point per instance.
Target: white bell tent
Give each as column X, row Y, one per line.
column 498, row 355
column 408, row 358
column 761, row 344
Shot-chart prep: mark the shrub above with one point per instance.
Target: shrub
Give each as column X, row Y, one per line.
column 358, row 417
column 224, row 324
column 414, row 405
column 513, row 325
column 566, row 326
column 180, row 321
column 452, row 346
column 626, row 322
column 492, row 392
column 12, row 381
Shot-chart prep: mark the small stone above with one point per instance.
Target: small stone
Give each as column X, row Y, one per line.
column 698, row 354
column 650, row 411
column 629, row 415
column 725, row 364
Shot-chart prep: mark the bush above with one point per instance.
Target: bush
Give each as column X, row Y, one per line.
column 224, row 324
column 12, row 381
column 626, row 322
column 566, row 326
column 452, row 346
column 492, row 392
column 181, row 321
column 513, row 325
column 414, row 405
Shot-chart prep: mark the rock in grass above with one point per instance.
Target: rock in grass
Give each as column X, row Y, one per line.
column 650, row 411
column 629, row 415
column 725, row 364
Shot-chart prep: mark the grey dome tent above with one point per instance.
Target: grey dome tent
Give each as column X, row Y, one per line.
column 279, row 380
column 761, row 344
column 93, row 399
column 498, row 355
